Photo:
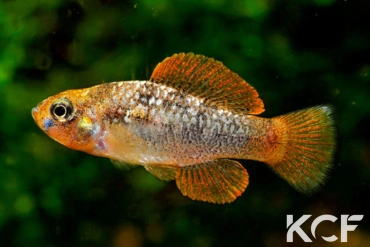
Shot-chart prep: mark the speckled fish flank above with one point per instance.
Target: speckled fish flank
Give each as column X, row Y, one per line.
column 188, row 123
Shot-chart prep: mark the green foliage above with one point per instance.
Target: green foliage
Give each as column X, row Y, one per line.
column 296, row 54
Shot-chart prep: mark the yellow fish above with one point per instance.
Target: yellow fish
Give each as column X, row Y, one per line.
column 188, row 123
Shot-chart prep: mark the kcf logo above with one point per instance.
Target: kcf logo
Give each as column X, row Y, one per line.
column 344, row 226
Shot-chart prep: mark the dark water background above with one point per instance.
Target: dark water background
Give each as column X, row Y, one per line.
column 295, row 53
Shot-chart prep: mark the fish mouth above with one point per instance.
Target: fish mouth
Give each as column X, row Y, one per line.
column 34, row 112
column 43, row 123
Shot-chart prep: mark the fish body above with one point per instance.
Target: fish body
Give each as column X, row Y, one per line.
column 187, row 123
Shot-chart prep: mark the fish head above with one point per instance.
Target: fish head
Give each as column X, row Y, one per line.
column 68, row 119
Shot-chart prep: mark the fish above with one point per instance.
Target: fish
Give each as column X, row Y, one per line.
column 192, row 122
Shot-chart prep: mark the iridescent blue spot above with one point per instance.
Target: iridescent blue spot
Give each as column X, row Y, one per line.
column 48, row 123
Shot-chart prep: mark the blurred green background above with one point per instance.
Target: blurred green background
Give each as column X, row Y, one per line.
column 295, row 53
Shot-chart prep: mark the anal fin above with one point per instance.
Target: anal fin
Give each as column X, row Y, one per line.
column 219, row 181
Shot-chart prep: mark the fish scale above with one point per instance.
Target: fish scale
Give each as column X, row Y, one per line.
column 188, row 123
column 166, row 123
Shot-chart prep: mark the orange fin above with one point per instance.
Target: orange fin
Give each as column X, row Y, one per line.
column 210, row 80
column 308, row 144
column 219, row 181
column 166, row 173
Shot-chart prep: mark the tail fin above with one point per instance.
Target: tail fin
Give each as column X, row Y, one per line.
column 308, row 143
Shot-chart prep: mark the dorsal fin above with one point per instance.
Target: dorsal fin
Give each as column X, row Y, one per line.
column 208, row 79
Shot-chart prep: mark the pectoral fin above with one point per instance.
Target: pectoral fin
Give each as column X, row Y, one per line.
column 219, row 181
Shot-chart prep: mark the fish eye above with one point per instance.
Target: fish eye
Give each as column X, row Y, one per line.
column 62, row 110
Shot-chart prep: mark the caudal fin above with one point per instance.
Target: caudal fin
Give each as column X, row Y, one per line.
column 307, row 147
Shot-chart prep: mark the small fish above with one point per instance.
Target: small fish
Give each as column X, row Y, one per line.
column 189, row 123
